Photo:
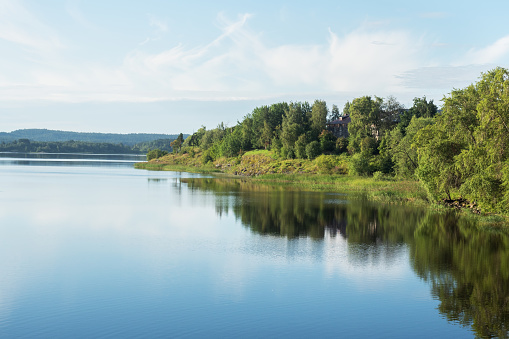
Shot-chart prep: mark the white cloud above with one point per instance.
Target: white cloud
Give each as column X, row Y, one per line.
column 237, row 64
column 492, row 54
column 238, row 61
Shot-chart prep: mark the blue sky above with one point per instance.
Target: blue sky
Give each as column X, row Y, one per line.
column 172, row 66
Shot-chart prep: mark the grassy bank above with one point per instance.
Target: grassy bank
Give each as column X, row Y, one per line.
column 327, row 173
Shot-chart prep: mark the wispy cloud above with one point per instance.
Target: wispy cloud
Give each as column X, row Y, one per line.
column 20, row 26
column 238, row 61
column 236, row 64
column 159, row 29
column 494, row 53
column 74, row 11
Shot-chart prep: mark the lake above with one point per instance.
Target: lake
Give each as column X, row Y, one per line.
column 91, row 247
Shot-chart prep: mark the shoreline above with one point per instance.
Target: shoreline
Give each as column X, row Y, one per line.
column 385, row 190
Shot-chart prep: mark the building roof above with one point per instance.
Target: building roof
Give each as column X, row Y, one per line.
column 341, row 121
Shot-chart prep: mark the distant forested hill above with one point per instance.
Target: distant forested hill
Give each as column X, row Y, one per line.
column 112, row 138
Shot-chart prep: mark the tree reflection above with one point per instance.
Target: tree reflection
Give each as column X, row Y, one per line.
column 468, row 271
column 277, row 210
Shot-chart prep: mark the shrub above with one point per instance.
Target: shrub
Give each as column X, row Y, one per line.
column 300, row 147
column 313, row 149
column 327, row 141
column 360, row 165
column 154, row 154
column 328, row 164
column 341, row 145
column 207, row 157
column 381, row 176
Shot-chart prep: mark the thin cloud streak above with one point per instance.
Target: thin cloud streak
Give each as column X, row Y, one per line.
column 494, row 53
column 19, row 26
column 235, row 65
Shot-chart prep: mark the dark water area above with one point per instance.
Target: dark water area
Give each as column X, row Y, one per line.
column 91, row 247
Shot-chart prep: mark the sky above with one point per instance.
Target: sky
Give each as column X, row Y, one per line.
column 174, row 66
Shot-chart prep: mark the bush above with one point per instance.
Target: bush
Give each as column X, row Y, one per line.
column 341, row 145
column 276, row 145
column 207, row 157
column 327, row 141
column 313, row 149
column 360, row 165
column 300, row 147
column 329, row 164
column 154, row 154
column 381, row 176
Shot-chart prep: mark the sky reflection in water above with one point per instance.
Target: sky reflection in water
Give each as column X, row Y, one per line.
column 112, row 251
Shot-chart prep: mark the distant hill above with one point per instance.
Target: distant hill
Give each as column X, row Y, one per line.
column 130, row 139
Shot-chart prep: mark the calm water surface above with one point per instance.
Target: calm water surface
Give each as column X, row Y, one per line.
column 90, row 247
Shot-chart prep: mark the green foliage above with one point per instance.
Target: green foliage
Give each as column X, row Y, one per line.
column 379, row 176
column 365, row 113
column 467, row 149
column 360, row 164
column 207, row 157
column 295, row 123
column 25, row 145
column 464, row 150
column 369, row 146
column 313, row 149
column 332, row 164
column 266, row 135
column 346, row 109
column 154, row 154
column 276, row 145
column 334, row 113
column 195, row 138
column 177, row 143
column 390, row 114
column 231, row 144
column 319, row 114
column 399, row 147
column 45, row 135
column 341, row 145
column 327, row 142
column 300, row 147
column 421, row 109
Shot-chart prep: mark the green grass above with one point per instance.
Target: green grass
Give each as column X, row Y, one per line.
column 393, row 191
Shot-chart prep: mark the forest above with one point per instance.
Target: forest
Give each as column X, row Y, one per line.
column 129, row 139
column 460, row 150
column 72, row 146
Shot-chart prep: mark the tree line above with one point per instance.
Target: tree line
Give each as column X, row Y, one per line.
column 129, row 139
column 460, row 150
column 72, row 146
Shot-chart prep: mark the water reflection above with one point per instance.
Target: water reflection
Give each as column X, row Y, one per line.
column 66, row 159
column 468, row 270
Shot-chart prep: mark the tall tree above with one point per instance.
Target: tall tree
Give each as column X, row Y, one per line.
column 420, row 109
column 365, row 113
column 467, row 149
column 390, row 114
column 319, row 113
column 177, row 143
column 334, row 113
